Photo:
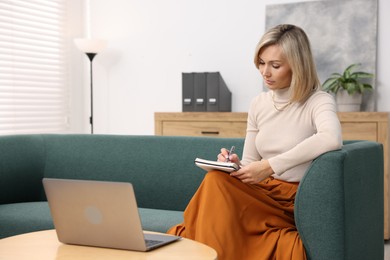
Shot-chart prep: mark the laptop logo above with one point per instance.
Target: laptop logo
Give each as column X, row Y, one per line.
column 93, row 215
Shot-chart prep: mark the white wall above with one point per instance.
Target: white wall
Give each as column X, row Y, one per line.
column 152, row 42
column 383, row 57
column 77, row 85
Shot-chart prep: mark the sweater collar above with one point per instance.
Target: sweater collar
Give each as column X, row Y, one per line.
column 282, row 96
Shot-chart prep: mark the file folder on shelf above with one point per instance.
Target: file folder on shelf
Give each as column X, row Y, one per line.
column 188, row 103
column 205, row 91
column 219, row 97
column 200, row 92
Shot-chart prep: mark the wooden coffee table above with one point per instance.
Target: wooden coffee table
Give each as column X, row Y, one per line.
column 45, row 245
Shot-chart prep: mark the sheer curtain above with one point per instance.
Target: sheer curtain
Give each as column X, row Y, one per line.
column 34, row 92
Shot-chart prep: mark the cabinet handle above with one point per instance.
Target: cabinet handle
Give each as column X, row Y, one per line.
column 210, row 132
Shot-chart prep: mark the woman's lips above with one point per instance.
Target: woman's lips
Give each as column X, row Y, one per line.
column 269, row 82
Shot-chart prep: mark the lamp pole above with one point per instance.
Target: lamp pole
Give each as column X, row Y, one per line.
column 90, row 47
column 90, row 57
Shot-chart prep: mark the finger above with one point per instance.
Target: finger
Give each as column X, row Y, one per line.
column 234, row 158
column 237, row 174
column 221, row 157
column 244, row 177
column 224, row 151
column 248, row 180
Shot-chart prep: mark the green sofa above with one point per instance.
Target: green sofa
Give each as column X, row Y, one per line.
column 339, row 204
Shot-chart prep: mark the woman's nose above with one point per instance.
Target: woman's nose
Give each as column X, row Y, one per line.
column 266, row 72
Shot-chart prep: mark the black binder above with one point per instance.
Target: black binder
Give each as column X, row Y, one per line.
column 200, row 91
column 188, row 103
column 205, row 91
column 219, row 97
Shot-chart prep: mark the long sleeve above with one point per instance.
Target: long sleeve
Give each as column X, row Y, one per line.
column 290, row 139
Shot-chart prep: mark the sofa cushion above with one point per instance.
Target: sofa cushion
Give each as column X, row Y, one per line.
column 21, row 218
column 25, row 217
column 159, row 220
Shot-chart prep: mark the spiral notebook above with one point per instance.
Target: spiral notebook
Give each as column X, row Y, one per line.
column 209, row 165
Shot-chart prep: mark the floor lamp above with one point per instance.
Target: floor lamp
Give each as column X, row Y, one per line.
column 90, row 47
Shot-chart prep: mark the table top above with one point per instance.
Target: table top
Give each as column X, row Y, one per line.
column 45, row 245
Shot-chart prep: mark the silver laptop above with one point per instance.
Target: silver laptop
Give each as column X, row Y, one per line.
column 101, row 214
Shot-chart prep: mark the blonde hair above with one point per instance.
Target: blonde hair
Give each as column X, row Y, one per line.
column 296, row 47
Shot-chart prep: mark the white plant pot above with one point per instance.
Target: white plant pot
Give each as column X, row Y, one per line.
column 348, row 103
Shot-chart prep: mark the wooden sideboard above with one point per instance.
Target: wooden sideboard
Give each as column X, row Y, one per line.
column 219, row 124
column 372, row 126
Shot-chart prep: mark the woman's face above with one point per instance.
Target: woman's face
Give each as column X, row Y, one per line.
column 274, row 68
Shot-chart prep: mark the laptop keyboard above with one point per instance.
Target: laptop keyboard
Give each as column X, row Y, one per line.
column 150, row 242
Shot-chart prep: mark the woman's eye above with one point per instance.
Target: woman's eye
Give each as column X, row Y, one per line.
column 276, row 66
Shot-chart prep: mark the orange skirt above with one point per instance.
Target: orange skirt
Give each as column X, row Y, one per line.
column 242, row 221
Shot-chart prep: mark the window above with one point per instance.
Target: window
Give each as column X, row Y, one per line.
column 34, row 95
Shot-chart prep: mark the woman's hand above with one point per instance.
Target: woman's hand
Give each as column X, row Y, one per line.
column 254, row 173
column 224, row 156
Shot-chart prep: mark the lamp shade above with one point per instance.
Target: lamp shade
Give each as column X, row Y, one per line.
column 90, row 45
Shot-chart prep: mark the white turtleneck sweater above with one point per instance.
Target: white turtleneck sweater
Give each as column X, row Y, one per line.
column 291, row 138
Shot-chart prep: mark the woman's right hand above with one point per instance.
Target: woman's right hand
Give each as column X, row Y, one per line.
column 224, row 156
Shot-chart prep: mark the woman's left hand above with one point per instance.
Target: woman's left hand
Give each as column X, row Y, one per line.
column 254, row 172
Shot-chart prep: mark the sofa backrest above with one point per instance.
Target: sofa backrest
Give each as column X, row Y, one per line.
column 22, row 162
column 161, row 168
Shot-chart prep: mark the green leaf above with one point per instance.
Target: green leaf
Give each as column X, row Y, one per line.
column 330, row 84
column 351, row 87
column 350, row 67
column 367, row 87
column 348, row 80
column 361, row 75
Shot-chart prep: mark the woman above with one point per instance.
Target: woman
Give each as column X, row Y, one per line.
column 249, row 214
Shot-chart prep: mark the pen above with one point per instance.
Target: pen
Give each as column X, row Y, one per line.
column 230, row 152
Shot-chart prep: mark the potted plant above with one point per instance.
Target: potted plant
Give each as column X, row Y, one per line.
column 348, row 88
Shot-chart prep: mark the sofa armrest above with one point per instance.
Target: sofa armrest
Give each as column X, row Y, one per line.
column 21, row 168
column 339, row 204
